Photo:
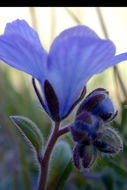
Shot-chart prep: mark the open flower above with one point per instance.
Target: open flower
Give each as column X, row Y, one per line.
column 74, row 57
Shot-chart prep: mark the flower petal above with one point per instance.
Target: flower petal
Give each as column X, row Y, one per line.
column 117, row 59
column 73, row 59
column 79, row 30
column 20, row 48
column 21, row 28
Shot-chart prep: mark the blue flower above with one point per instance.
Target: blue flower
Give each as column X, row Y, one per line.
column 74, row 57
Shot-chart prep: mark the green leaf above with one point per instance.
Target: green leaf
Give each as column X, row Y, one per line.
column 59, row 160
column 24, row 169
column 108, row 180
column 114, row 166
column 30, row 130
column 64, row 176
column 123, row 117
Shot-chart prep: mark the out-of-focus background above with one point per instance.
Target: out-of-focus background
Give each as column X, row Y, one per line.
column 17, row 168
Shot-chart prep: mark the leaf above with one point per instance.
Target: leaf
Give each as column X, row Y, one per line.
column 64, row 176
column 30, row 130
column 59, row 160
column 123, row 117
column 108, row 180
column 24, row 169
column 114, row 166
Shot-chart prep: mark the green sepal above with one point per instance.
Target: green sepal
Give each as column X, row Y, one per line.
column 29, row 130
column 110, row 142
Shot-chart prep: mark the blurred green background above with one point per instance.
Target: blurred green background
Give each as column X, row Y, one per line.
column 18, row 165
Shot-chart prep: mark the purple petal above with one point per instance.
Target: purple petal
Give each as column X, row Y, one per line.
column 21, row 28
column 20, row 48
column 79, row 30
column 117, row 59
column 74, row 57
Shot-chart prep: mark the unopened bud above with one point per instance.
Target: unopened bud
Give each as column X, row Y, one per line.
column 76, row 156
column 86, row 124
column 89, row 156
column 110, row 142
column 99, row 104
column 84, row 156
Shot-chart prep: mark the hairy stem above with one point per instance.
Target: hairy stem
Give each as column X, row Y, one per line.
column 46, row 158
column 50, row 145
column 65, row 129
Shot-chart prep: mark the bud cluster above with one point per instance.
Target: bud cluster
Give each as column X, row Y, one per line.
column 90, row 131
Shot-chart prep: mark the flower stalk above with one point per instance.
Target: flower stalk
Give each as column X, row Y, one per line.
column 46, row 158
column 50, row 145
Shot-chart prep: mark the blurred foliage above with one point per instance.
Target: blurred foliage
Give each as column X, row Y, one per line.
column 19, row 169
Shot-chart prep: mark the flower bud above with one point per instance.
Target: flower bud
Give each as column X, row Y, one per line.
column 76, row 157
column 99, row 104
column 84, row 156
column 89, row 156
column 110, row 142
column 86, row 124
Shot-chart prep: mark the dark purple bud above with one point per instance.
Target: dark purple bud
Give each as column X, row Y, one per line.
column 86, row 124
column 85, row 117
column 78, row 135
column 84, row 156
column 100, row 129
column 110, row 142
column 80, row 128
column 76, row 157
column 99, row 104
column 52, row 101
column 89, row 156
column 104, row 147
column 87, row 141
